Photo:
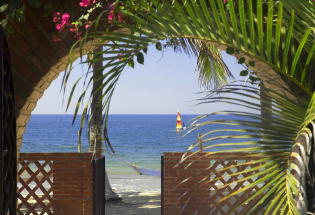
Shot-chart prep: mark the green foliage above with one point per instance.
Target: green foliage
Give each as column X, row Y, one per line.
column 3, row 8
column 241, row 60
column 140, row 58
column 244, row 72
column 276, row 33
column 211, row 69
column 230, row 50
column 272, row 139
column 158, row 46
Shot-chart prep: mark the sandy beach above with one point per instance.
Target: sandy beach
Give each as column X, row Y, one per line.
column 141, row 195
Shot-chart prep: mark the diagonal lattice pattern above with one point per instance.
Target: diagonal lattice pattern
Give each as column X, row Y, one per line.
column 223, row 182
column 57, row 183
column 35, row 181
column 199, row 184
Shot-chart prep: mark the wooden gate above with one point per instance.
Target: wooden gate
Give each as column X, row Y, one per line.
column 198, row 184
column 7, row 133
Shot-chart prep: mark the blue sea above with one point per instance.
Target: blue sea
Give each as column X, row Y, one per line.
column 138, row 139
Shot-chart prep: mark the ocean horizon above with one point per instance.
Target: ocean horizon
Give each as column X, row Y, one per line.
column 140, row 139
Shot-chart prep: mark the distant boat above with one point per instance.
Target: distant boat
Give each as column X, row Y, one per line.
column 179, row 123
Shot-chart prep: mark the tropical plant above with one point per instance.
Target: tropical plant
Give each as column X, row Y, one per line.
column 282, row 141
column 275, row 39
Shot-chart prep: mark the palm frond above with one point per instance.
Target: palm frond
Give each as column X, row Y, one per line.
column 211, row 69
column 240, row 25
column 285, row 142
column 305, row 12
column 198, row 26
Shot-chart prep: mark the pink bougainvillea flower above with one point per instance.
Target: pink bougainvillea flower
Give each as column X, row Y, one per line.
column 85, row 3
column 110, row 16
column 58, row 27
column 56, row 17
column 65, row 19
column 86, row 26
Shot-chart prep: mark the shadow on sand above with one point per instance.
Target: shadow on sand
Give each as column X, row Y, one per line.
column 136, row 203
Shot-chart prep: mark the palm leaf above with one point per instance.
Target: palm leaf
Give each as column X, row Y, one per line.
column 211, row 69
column 284, row 141
column 196, row 23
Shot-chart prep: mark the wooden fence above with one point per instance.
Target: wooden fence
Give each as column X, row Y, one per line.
column 196, row 186
column 59, row 184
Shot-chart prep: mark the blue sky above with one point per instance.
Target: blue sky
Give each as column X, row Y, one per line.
column 167, row 82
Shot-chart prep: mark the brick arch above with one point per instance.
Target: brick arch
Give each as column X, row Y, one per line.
column 37, row 61
column 24, row 111
column 37, row 58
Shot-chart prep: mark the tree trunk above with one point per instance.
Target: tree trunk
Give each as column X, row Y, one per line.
column 96, row 138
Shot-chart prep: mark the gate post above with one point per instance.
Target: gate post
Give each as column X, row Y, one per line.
column 99, row 186
column 162, row 185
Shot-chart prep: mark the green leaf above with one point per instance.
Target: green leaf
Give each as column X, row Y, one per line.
column 158, row 46
column 253, row 78
column 3, row 8
column 230, row 50
column 140, row 58
column 241, row 60
column 244, row 73
column 145, row 50
column 131, row 63
column 252, row 63
column 267, row 135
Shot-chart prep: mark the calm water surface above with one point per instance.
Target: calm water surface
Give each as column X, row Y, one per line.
column 139, row 139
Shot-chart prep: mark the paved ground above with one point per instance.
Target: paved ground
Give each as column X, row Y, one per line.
column 141, row 195
column 136, row 203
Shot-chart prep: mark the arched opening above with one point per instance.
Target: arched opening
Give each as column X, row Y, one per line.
column 142, row 126
column 263, row 50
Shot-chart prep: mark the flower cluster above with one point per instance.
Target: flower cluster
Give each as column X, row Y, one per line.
column 112, row 15
column 85, row 3
column 62, row 21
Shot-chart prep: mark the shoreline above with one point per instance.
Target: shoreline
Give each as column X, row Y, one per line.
column 140, row 195
column 135, row 183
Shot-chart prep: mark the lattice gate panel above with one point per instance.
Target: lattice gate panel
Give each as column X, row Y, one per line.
column 199, row 184
column 227, row 184
column 35, row 181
